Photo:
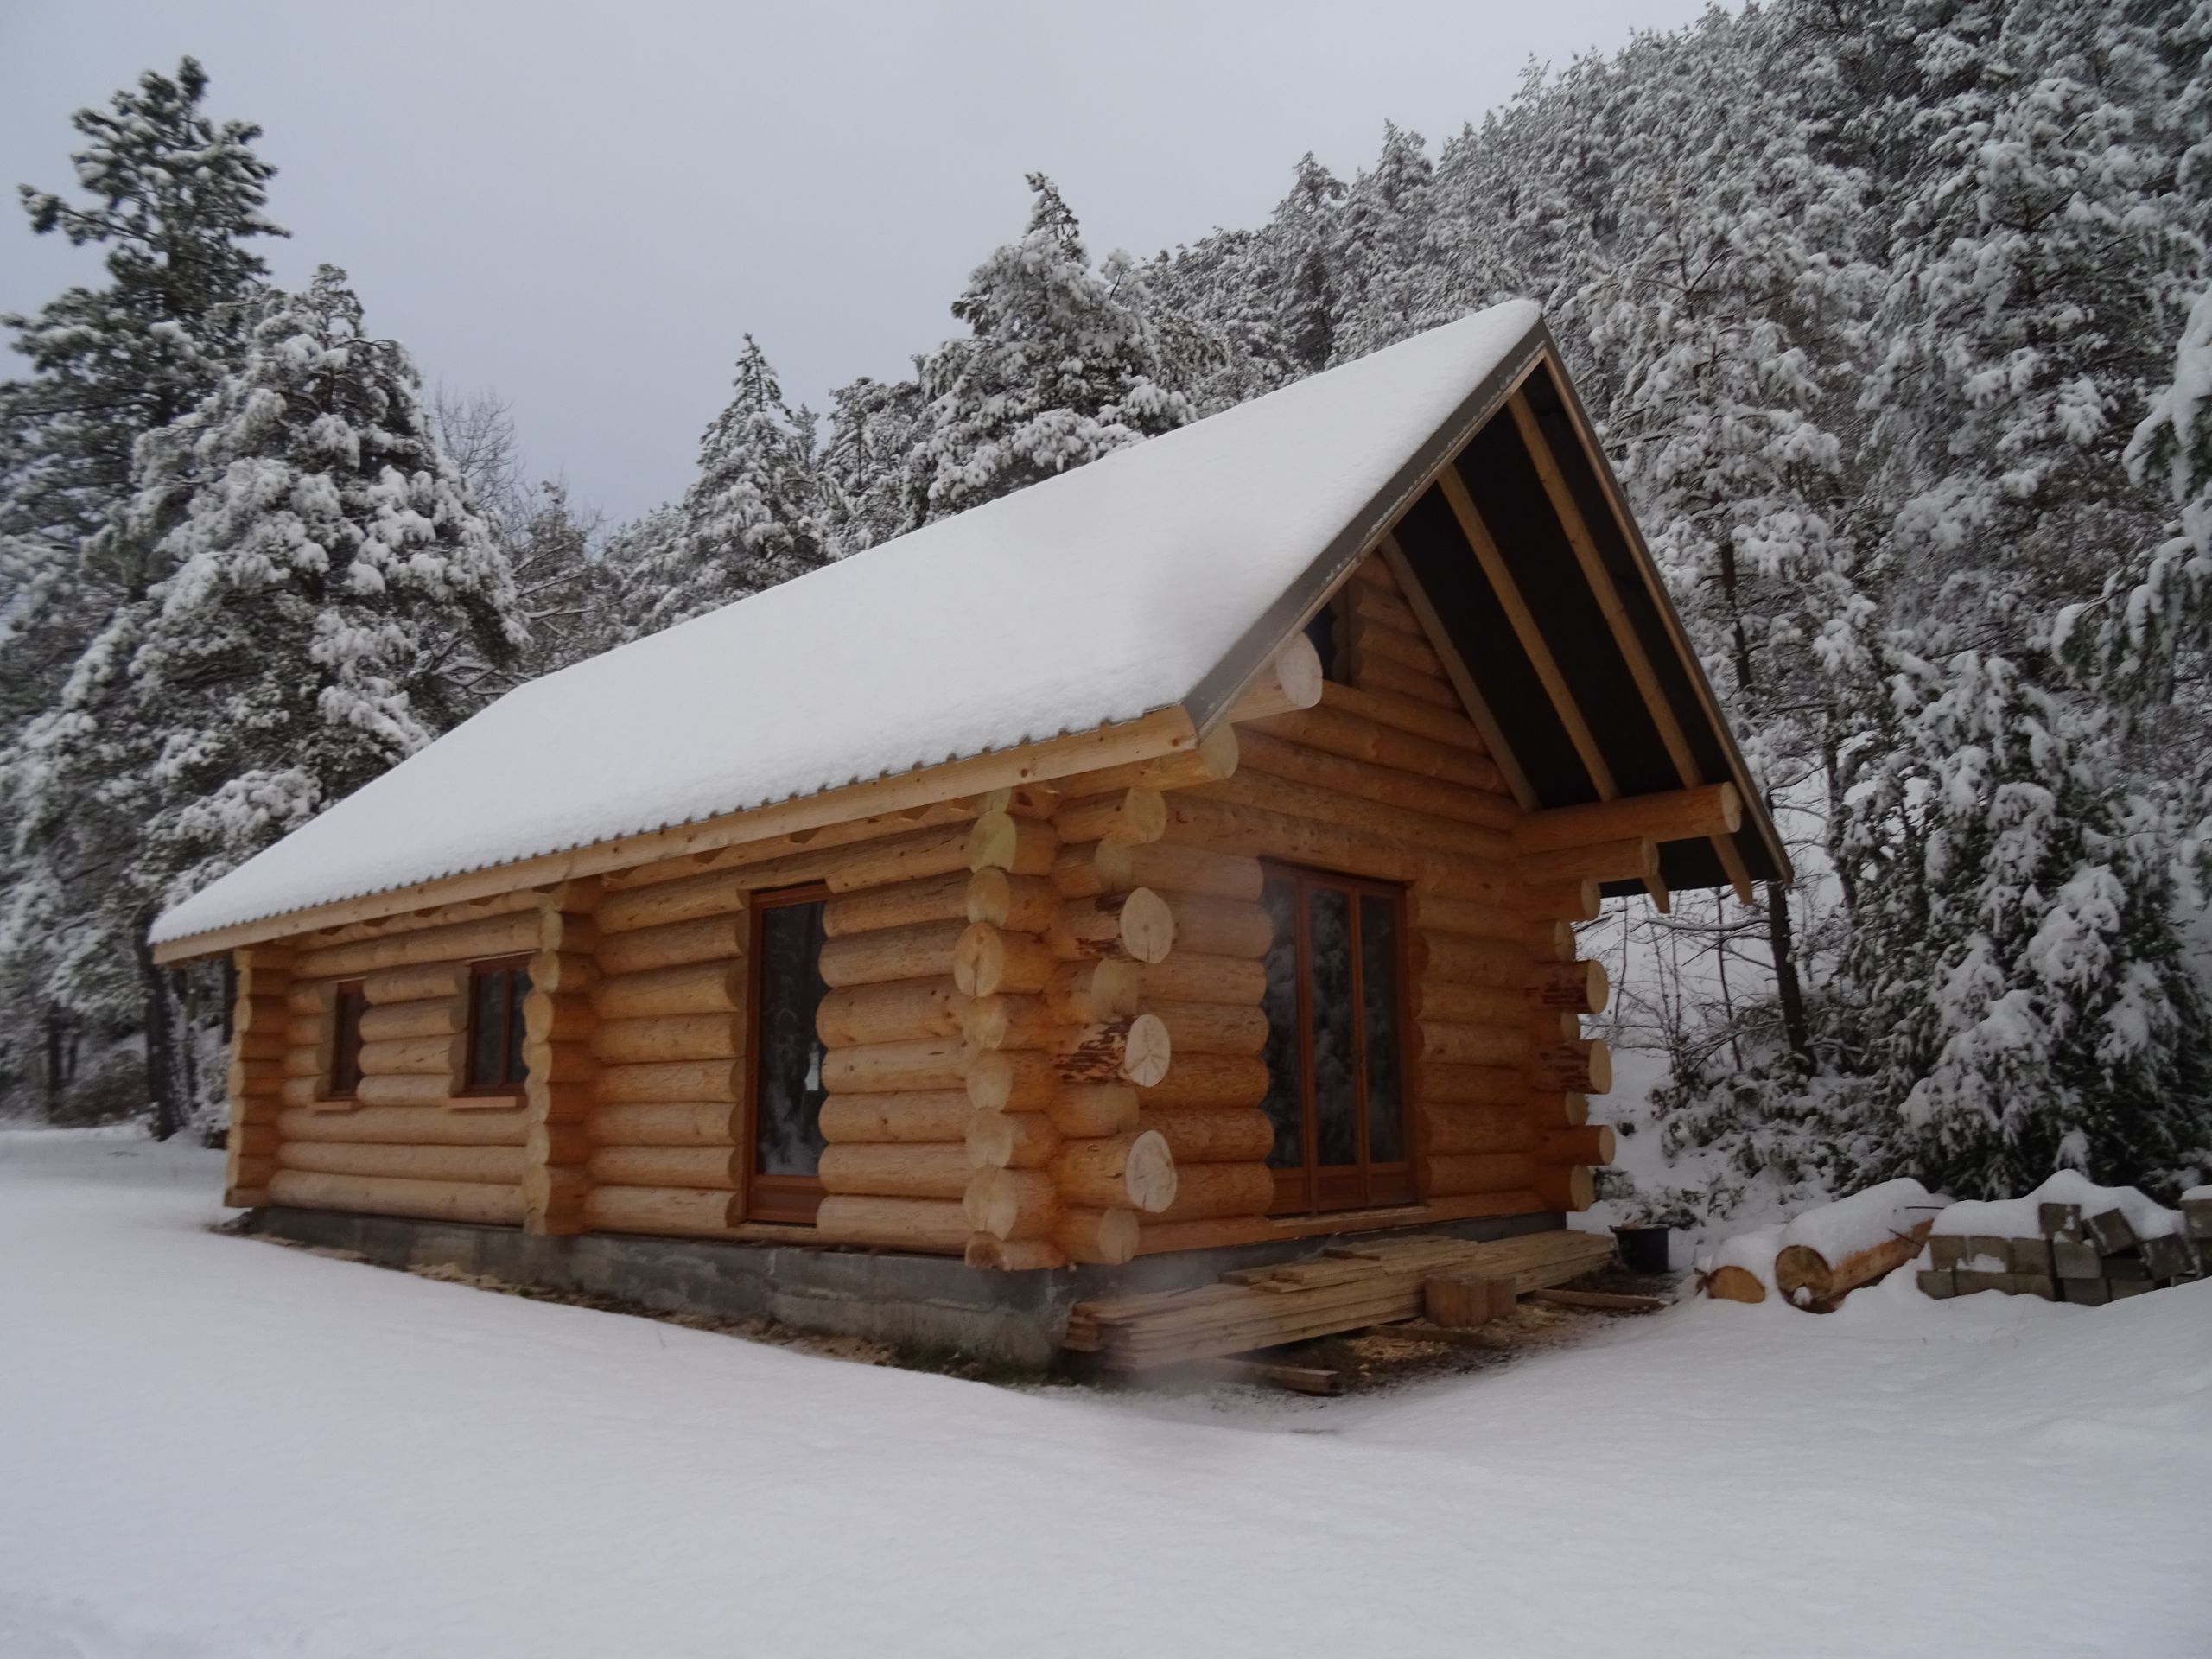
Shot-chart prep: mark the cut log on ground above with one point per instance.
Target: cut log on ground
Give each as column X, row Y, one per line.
column 1809, row 1280
column 1733, row 1284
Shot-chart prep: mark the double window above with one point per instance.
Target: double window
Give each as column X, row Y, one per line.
column 1335, row 1042
column 787, row 1093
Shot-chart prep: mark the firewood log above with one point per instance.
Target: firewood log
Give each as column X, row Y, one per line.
column 1808, row 1279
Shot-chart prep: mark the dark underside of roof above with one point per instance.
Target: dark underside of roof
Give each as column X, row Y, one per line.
column 1510, row 496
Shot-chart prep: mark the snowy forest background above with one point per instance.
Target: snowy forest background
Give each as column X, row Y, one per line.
column 1894, row 318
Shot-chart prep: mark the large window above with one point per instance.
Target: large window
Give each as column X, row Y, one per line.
column 347, row 1003
column 1335, row 1054
column 787, row 1091
column 496, row 991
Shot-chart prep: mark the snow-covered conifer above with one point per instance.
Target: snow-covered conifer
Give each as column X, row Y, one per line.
column 1062, row 364
column 177, row 196
column 872, row 431
column 753, row 517
column 331, row 594
column 2016, row 984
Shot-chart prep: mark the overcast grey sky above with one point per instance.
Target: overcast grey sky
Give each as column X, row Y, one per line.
column 582, row 208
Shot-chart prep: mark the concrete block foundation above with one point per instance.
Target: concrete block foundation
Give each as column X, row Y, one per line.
column 930, row 1306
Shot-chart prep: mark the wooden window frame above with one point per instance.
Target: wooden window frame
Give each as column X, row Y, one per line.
column 464, row 1088
column 791, row 1199
column 1313, row 1189
column 341, row 1075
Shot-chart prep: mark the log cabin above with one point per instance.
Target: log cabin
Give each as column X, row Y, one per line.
column 1180, row 854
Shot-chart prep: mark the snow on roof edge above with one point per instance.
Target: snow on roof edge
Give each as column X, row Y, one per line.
column 157, row 936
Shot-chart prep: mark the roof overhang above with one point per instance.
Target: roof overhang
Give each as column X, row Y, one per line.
column 1516, row 535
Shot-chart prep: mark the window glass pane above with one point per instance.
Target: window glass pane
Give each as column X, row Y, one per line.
column 487, row 1002
column 1286, row 1096
column 790, row 1095
column 345, row 1043
column 1328, row 925
column 518, row 988
column 1378, row 974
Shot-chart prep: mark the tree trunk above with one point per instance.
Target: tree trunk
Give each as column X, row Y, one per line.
column 1796, row 1030
column 165, row 1081
column 57, row 1061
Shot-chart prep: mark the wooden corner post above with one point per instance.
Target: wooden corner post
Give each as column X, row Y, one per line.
column 557, row 1094
column 256, row 1080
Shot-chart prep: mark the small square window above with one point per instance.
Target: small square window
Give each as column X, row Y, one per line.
column 496, row 990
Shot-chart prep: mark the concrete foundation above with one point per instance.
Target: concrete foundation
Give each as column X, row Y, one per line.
column 931, row 1306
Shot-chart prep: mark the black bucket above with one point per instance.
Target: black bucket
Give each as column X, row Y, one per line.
column 1643, row 1249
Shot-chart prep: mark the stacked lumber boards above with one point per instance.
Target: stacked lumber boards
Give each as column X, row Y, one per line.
column 1352, row 1286
column 408, row 1141
column 2091, row 1257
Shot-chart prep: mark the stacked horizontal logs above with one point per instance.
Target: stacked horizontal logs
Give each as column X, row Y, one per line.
column 1064, row 1174
column 406, row 1142
column 1059, row 1168
column 1208, row 994
column 659, row 1032
column 559, row 1061
column 257, row 1079
column 899, row 1075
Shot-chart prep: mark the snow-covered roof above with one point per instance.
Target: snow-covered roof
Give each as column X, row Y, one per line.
column 1159, row 576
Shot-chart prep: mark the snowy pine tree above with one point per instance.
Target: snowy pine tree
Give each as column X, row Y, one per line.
column 175, row 197
column 1062, row 364
column 2017, row 988
column 755, row 517
column 2040, row 259
column 329, row 582
column 864, row 464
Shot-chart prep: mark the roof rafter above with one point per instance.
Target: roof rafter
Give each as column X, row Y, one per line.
column 1625, row 638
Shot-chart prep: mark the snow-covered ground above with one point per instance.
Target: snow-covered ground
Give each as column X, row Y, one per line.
column 215, row 1448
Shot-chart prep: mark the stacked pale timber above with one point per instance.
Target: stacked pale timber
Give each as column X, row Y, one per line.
column 1063, row 1166
column 1387, row 777
column 559, row 1059
column 406, row 1143
column 1358, row 1284
column 259, row 1048
column 662, row 1025
column 901, row 1076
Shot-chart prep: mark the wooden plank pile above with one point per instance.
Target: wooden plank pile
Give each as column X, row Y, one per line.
column 2076, row 1258
column 1350, row 1287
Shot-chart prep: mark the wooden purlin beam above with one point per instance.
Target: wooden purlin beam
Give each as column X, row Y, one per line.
column 1538, row 649
column 1456, row 671
column 1630, row 644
